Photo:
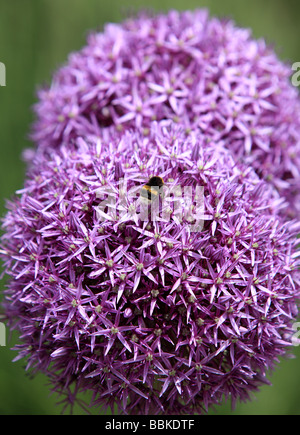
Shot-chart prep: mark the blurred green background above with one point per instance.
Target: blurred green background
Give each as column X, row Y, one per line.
column 35, row 39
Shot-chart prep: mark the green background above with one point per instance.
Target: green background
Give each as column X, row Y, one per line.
column 35, row 39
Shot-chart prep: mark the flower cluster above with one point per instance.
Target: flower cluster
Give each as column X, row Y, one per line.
column 198, row 71
column 149, row 315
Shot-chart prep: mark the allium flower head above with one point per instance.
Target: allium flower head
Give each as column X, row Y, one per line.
column 152, row 313
column 187, row 67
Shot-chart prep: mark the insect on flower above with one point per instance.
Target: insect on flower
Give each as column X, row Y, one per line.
column 189, row 298
column 151, row 190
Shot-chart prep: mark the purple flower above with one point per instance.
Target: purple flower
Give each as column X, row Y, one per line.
column 187, row 67
column 149, row 312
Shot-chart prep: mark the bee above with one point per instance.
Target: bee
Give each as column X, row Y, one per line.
column 150, row 190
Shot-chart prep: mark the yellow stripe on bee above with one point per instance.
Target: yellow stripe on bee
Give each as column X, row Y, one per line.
column 148, row 191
